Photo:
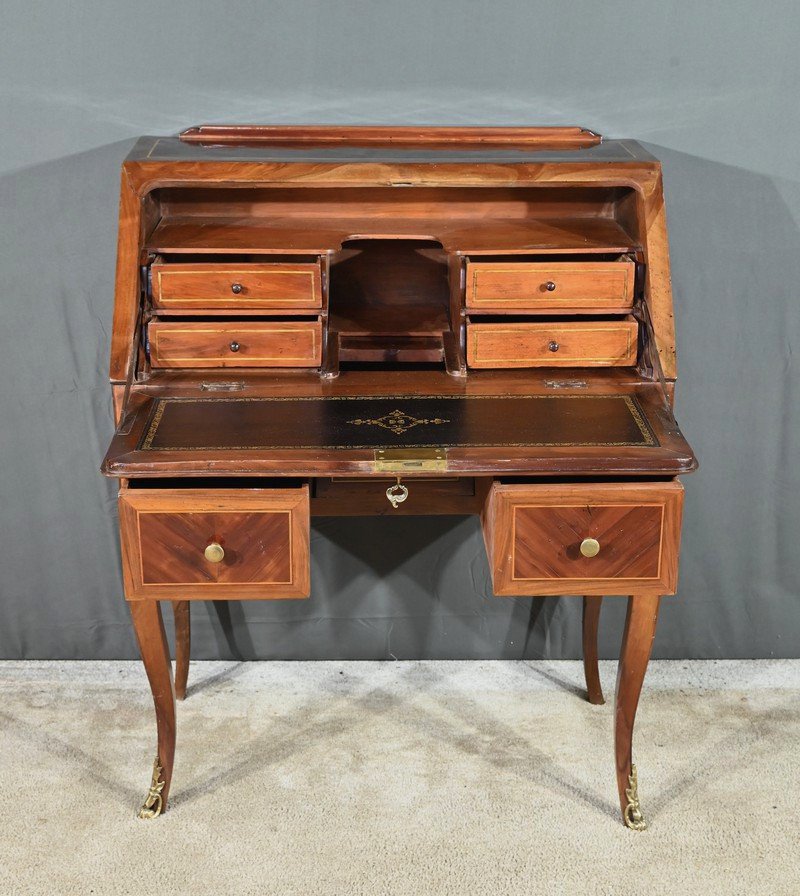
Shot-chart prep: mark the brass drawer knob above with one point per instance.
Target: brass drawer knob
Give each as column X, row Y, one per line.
column 214, row 553
column 236, row 288
column 550, row 286
column 590, row 547
column 234, row 346
column 553, row 346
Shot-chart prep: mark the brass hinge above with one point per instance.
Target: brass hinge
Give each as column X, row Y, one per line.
column 410, row 460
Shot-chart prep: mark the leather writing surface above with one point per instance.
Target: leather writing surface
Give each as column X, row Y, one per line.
column 396, row 422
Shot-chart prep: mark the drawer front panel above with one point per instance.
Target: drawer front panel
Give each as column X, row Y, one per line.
column 605, row 538
column 236, row 287
column 590, row 344
column 279, row 344
column 198, row 544
column 544, row 288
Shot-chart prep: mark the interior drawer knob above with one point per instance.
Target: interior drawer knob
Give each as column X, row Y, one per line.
column 553, row 345
column 234, row 346
column 214, row 553
column 590, row 547
column 236, row 288
column 550, row 286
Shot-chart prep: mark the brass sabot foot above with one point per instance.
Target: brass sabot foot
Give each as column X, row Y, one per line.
column 154, row 801
column 633, row 813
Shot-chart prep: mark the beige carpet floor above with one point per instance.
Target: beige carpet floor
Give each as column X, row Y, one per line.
column 400, row 778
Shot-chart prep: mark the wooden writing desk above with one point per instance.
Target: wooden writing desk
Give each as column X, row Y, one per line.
column 344, row 321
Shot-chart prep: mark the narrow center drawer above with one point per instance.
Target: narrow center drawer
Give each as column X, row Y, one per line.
column 241, row 287
column 557, row 344
column 598, row 538
column 551, row 287
column 204, row 543
column 224, row 344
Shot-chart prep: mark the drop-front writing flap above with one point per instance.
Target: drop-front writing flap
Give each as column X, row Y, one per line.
column 313, row 435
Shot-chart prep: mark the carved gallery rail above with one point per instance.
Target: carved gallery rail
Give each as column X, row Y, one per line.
column 295, row 335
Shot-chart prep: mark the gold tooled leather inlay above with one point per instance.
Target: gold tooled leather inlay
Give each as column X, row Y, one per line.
column 398, row 421
column 397, row 418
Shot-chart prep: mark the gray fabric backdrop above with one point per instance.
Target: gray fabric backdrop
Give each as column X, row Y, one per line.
column 710, row 88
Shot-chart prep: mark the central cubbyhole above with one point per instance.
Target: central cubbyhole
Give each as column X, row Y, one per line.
column 389, row 300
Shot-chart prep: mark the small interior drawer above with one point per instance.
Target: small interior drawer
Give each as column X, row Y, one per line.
column 235, row 344
column 202, row 543
column 583, row 538
column 232, row 286
column 600, row 287
column 552, row 344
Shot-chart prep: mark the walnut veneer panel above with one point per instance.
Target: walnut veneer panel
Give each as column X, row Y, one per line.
column 231, row 344
column 550, row 288
column 553, row 344
column 264, row 535
column 236, row 286
column 534, row 533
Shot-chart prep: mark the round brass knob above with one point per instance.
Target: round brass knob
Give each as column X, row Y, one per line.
column 553, row 346
column 590, row 547
column 236, row 288
column 550, row 286
column 234, row 346
column 214, row 553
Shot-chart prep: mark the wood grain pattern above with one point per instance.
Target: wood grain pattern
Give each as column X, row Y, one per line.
column 304, row 236
column 428, row 497
column 590, row 625
column 257, row 547
column 533, row 535
column 643, row 218
column 556, row 344
column 379, row 136
column 183, row 645
column 148, row 625
column 211, row 344
column 264, row 533
column 550, row 287
column 637, row 643
column 244, row 287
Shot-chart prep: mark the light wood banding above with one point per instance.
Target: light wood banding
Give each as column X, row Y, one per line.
column 258, row 286
column 264, row 534
column 533, row 535
column 574, row 287
column 208, row 344
column 589, row 344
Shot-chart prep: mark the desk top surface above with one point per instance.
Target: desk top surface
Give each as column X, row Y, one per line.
column 627, row 430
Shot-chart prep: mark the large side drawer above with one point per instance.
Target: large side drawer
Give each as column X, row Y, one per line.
column 234, row 344
column 202, row 544
column 552, row 344
column 240, row 287
column 594, row 287
column 583, row 538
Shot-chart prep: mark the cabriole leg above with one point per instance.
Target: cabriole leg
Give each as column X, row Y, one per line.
column 149, row 627
column 591, row 619
column 183, row 641
column 637, row 642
